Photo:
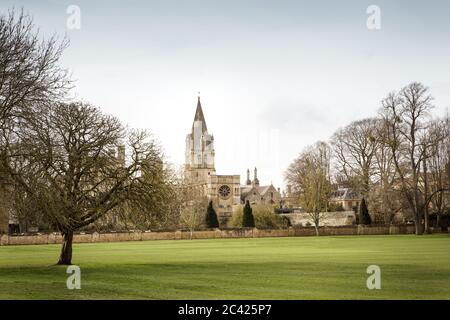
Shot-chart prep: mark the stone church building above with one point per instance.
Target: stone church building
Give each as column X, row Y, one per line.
column 225, row 191
column 255, row 193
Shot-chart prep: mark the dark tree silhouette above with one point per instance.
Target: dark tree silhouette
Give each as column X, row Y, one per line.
column 364, row 217
column 211, row 217
column 247, row 218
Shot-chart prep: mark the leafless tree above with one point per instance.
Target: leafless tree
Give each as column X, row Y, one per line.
column 29, row 67
column 310, row 174
column 30, row 76
column 161, row 208
column 355, row 148
column 384, row 197
column 65, row 161
column 438, row 159
column 193, row 205
column 406, row 115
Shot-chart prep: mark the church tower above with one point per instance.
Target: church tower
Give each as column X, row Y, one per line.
column 199, row 161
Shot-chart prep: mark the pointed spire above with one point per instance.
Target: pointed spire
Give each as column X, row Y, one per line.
column 248, row 182
column 199, row 116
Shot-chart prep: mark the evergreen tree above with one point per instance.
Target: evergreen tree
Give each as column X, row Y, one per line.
column 364, row 216
column 247, row 218
column 211, row 217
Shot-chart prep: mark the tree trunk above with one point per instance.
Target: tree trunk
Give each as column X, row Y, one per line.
column 427, row 222
column 316, row 226
column 425, row 212
column 66, row 251
column 418, row 224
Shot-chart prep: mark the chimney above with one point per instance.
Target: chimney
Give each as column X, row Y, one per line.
column 248, row 182
column 255, row 180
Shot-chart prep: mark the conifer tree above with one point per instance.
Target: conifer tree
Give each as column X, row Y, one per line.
column 364, row 216
column 247, row 218
column 211, row 217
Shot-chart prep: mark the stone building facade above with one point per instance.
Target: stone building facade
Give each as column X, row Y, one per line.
column 256, row 194
column 200, row 172
column 225, row 191
column 347, row 198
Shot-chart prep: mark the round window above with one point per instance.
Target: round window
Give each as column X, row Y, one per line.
column 224, row 191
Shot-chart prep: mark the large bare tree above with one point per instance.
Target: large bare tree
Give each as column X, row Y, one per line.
column 355, row 148
column 30, row 76
column 29, row 66
column 384, row 198
column 406, row 115
column 66, row 162
column 310, row 175
column 438, row 162
column 161, row 208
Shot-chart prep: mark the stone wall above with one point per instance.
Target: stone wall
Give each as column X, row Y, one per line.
column 327, row 219
column 55, row 238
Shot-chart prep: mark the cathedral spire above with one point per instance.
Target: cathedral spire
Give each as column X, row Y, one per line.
column 199, row 116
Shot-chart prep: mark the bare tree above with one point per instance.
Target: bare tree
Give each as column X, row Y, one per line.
column 310, row 174
column 193, row 205
column 29, row 70
column 29, row 77
column 406, row 115
column 384, row 197
column 438, row 159
column 160, row 210
column 65, row 162
column 354, row 149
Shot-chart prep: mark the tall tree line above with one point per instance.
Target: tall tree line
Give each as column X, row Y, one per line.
column 398, row 160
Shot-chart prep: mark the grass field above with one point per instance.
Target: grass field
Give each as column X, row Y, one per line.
column 412, row 267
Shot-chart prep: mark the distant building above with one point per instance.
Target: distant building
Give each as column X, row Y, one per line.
column 347, row 198
column 225, row 191
column 290, row 199
column 327, row 219
column 200, row 172
column 255, row 194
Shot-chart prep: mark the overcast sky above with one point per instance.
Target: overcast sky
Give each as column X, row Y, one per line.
column 274, row 76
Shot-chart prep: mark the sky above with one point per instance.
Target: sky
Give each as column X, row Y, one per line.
column 273, row 76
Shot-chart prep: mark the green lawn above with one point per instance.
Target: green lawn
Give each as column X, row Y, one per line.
column 412, row 267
